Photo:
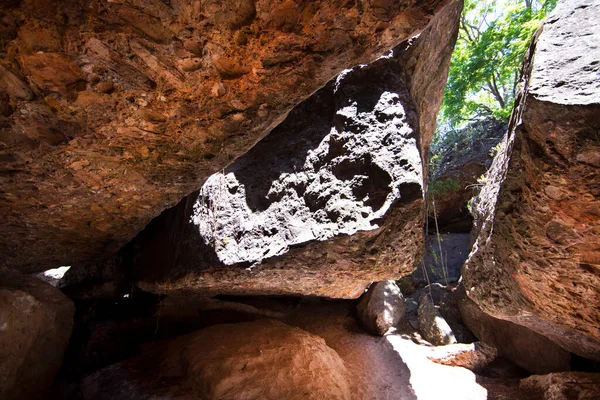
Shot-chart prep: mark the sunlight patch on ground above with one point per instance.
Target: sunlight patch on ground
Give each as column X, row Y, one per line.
column 432, row 381
column 56, row 273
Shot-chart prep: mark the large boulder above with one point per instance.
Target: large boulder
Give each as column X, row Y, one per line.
column 330, row 201
column 536, row 260
column 263, row 359
column 381, row 308
column 36, row 320
column 113, row 111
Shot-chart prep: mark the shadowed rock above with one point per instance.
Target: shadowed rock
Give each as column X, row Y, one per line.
column 432, row 325
column 36, row 320
column 330, row 201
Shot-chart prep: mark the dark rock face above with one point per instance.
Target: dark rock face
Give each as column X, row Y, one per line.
column 113, row 111
column 330, row 201
column 381, row 308
column 536, row 257
column 36, row 320
column 455, row 250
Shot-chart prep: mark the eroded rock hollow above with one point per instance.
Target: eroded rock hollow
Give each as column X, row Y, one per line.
column 330, row 201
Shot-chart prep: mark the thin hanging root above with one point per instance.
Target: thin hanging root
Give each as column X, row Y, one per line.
column 439, row 240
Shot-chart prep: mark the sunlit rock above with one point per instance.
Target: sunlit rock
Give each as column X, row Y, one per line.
column 381, row 308
column 535, row 262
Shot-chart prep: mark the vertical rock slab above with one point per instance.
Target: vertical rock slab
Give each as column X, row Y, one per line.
column 328, row 202
column 536, row 260
column 36, row 320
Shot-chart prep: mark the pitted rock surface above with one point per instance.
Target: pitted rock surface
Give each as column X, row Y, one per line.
column 113, row 111
column 330, row 201
column 331, row 181
column 535, row 262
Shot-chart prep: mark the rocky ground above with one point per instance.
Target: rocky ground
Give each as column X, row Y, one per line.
column 241, row 346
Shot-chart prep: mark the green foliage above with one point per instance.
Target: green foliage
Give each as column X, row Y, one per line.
column 485, row 66
column 441, row 187
column 497, row 149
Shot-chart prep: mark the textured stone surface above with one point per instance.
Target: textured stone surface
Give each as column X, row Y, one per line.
column 336, row 175
column 564, row 385
column 253, row 360
column 528, row 349
column 329, row 202
column 473, row 356
column 432, row 325
column 536, row 258
column 113, row 111
column 35, row 325
column 381, row 308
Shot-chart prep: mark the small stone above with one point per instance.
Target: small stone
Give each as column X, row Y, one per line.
column 238, row 117
column 238, row 105
column 218, row 89
column 144, row 152
column 152, row 116
column 77, row 165
column 193, row 47
column 263, row 111
column 191, row 64
column 381, row 308
column 591, row 157
column 553, row 192
column 105, row 87
column 93, row 78
column 241, row 39
column 432, row 325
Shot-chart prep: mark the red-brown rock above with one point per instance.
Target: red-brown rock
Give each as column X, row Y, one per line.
column 564, row 385
column 35, row 326
column 263, row 359
column 316, row 207
column 536, row 258
column 54, row 51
